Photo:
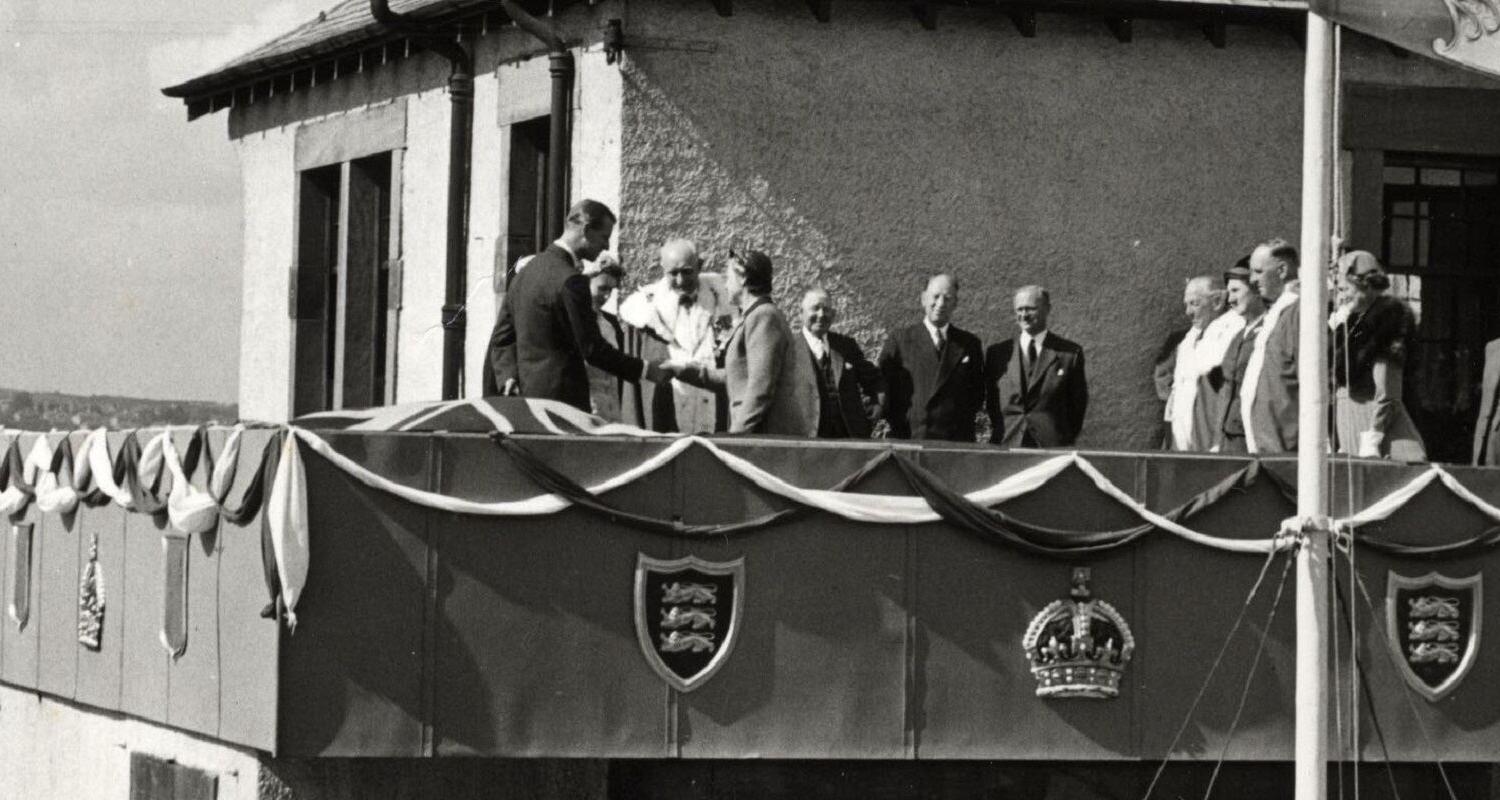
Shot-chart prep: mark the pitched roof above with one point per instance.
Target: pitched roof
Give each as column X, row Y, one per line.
column 345, row 28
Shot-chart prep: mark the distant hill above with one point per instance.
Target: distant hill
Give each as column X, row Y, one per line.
column 43, row 411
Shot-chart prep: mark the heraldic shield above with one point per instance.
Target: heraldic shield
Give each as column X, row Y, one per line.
column 687, row 614
column 1432, row 622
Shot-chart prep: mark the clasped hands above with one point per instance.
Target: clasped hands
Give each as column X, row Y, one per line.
column 665, row 370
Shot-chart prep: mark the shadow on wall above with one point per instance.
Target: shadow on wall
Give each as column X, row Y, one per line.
column 864, row 154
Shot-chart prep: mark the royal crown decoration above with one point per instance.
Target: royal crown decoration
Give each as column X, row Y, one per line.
column 1078, row 647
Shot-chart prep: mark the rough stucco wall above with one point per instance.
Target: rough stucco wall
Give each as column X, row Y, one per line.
column 269, row 175
column 868, row 152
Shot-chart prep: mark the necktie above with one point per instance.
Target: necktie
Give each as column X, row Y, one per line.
column 687, row 299
column 825, row 364
column 1031, row 355
column 941, row 342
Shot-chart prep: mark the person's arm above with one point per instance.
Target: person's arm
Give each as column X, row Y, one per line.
column 994, row 364
column 898, row 394
column 869, row 379
column 502, row 350
column 1078, row 391
column 584, row 324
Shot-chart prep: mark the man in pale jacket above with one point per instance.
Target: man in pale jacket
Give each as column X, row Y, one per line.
column 771, row 385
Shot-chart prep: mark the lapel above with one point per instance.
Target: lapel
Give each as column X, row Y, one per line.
column 1023, row 380
column 952, row 355
column 835, row 361
column 1046, row 358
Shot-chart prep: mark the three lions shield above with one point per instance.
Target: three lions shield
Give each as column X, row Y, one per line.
column 1432, row 622
column 687, row 612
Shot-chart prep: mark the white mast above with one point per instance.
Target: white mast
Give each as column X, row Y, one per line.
column 1312, row 441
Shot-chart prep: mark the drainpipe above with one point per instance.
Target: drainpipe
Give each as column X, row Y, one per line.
column 560, row 63
column 460, row 138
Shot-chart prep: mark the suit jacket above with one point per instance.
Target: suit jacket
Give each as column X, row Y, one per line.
column 1273, row 414
column 932, row 395
column 1227, row 379
column 1487, row 426
column 771, row 385
column 1048, row 403
column 858, row 383
column 547, row 331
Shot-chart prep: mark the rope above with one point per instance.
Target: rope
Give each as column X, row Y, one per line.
column 1213, row 668
column 1260, row 647
column 1364, row 684
column 1411, row 706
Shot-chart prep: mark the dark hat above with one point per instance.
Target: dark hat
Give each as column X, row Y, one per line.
column 756, row 267
column 1237, row 273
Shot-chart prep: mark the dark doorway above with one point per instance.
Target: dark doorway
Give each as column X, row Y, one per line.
column 1441, row 245
column 525, row 228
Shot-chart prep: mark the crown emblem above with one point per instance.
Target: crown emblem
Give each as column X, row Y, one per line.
column 1078, row 647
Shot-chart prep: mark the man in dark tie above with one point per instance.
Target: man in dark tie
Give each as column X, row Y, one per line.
column 548, row 330
column 1035, row 389
column 933, row 371
column 851, row 390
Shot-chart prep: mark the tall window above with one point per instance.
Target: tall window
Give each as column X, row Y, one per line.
column 1442, row 247
column 343, row 286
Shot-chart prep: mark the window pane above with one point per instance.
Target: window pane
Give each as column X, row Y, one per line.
column 1423, row 239
column 1402, row 243
column 1404, row 208
column 1404, row 176
column 1441, row 177
column 1474, row 177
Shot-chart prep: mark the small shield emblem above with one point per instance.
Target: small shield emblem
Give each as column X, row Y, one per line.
column 687, row 613
column 1432, row 622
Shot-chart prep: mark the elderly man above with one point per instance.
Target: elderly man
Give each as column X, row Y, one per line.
column 1268, row 396
column 770, row 383
column 680, row 310
column 547, row 329
column 851, row 390
column 1194, row 406
column 1035, row 388
column 1247, row 304
column 933, row 371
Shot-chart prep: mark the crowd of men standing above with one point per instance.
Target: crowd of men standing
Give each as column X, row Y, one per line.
column 699, row 352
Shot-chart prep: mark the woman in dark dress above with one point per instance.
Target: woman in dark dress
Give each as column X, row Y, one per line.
column 1370, row 335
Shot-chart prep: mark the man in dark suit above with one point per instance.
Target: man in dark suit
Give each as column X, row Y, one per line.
column 1487, row 426
column 851, row 390
column 933, row 371
column 1035, row 389
column 547, row 329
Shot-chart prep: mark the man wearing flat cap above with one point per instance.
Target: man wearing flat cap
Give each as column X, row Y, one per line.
column 770, row 383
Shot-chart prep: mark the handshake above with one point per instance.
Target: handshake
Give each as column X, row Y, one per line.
column 666, row 370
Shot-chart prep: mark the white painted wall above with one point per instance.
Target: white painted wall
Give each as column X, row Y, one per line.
column 269, row 175
column 50, row 749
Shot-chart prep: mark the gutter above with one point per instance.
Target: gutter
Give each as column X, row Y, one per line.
column 460, row 147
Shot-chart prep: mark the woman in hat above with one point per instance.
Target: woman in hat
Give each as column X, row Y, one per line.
column 1370, row 335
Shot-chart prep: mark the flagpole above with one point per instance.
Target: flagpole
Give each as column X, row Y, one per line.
column 1312, row 696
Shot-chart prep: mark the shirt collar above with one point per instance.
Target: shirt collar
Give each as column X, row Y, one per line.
column 572, row 255
column 933, row 330
column 817, row 343
column 1040, row 337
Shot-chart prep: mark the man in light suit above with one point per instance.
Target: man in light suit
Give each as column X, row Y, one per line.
column 1487, row 426
column 851, row 390
column 933, row 372
column 547, row 329
column 1035, row 388
column 1268, row 397
column 769, row 381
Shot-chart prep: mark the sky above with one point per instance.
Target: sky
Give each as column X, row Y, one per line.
column 120, row 228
